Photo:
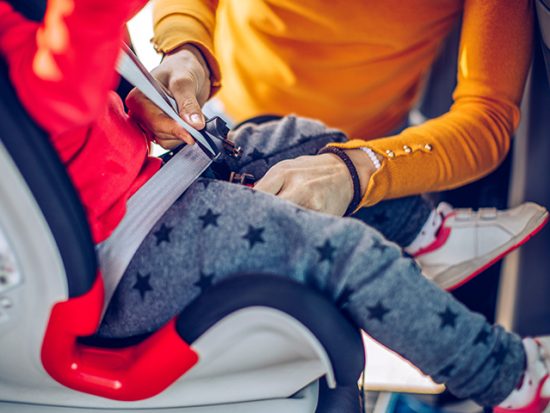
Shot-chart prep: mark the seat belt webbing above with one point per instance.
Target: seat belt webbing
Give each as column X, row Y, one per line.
column 153, row 199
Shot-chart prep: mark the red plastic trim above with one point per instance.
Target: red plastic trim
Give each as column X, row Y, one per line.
column 128, row 374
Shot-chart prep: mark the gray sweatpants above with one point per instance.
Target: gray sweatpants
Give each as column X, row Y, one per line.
column 217, row 229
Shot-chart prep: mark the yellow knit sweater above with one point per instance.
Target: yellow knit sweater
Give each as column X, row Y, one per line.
column 358, row 65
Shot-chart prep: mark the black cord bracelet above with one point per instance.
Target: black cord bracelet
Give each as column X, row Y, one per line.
column 354, row 176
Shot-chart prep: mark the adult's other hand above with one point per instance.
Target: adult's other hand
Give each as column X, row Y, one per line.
column 320, row 182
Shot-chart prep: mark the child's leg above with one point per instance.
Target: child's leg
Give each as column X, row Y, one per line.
column 399, row 220
column 451, row 246
column 216, row 229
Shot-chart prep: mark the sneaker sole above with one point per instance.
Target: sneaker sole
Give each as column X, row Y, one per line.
column 453, row 277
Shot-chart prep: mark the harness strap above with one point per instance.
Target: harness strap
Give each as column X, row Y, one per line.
column 152, row 200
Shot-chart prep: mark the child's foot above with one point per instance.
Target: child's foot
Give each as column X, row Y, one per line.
column 466, row 243
column 533, row 393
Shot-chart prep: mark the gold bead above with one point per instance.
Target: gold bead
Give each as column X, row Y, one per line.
column 407, row 149
column 390, row 153
column 428, row 147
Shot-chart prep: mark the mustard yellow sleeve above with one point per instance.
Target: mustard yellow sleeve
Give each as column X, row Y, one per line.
column 178, row 22
column 471, row 139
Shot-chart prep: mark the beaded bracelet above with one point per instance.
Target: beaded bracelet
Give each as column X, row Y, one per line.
column 372, row 156
column 354, row 176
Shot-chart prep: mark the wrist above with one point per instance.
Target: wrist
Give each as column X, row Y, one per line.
column 197, row 54
column 364, row 165
column 352, row 173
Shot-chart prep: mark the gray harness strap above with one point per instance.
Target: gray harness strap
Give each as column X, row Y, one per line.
column 152, row 200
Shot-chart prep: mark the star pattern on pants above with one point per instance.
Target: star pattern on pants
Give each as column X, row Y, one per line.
column 163, row 234
column 210, row 218
column 378, row 311
column 447, row 371
column 448, row 318
column 326, row 252
column 256, row 155
column 482, row 337
column 205, row 281
column 499, row 354
column 377, row 245
column 142, row 284
column 254, row 236
column 205, row 182
column 344, row 297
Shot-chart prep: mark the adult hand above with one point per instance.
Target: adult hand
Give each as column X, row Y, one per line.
column 186, row 76
column 321, row 182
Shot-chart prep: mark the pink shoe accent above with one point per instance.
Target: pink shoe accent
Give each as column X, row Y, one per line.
column 440, row 238
column 537, row 405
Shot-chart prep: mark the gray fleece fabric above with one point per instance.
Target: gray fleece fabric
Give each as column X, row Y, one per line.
column 216, row 229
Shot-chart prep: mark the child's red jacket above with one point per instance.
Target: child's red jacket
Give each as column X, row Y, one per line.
column 63, row 72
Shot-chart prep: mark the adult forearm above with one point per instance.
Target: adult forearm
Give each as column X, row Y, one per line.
column 447, row 152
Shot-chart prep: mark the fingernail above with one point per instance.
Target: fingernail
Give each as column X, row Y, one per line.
column 195, row 118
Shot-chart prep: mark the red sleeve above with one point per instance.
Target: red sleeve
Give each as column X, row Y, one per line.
column 63, row 68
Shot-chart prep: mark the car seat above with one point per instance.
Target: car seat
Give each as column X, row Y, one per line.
column 253, row 343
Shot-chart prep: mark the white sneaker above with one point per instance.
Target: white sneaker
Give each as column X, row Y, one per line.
column 469, row 242
column 533, row 393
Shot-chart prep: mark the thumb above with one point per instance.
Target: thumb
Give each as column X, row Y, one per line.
column 190, row 111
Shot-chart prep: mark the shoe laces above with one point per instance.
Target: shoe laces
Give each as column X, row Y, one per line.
column 468, row 214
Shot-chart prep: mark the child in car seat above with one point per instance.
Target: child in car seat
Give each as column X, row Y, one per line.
column 63, row 72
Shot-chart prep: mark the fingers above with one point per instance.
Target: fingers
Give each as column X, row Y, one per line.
column 319, row 183
column 186, row 76
column 154, row 121
column 272, row 182
column 189, row 108
column 298, row 197
column 167, row 142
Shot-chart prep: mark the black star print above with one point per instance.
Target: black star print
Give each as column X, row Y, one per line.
column 257, row 155
column 343, row 300
column 205, row 281
column 378, row 311
column 378, row 246
column 326, row 251
column 142, row 284
column 206, row 182
column 254, row 235
column 209, row 219
column 448, row 318
column 163, row 234
column 380, row 218
column 482, row 337
column 499, row 354
column 447, row 371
